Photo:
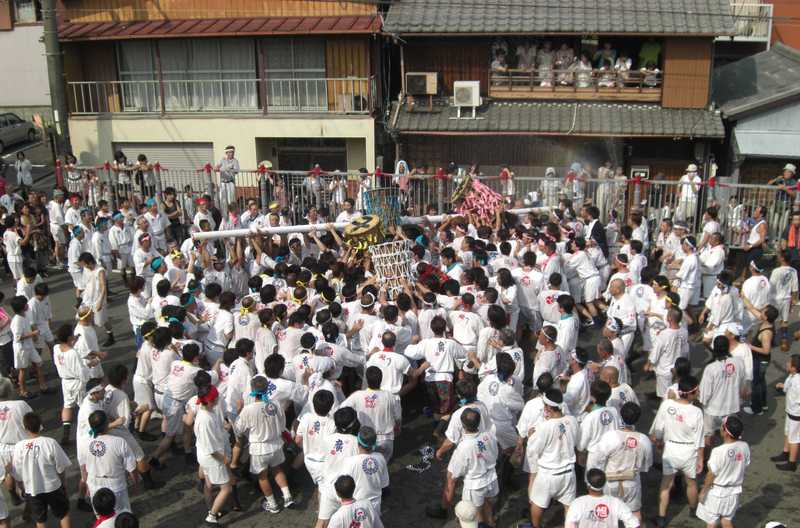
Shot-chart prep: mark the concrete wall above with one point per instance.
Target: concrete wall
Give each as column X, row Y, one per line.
column 92, row 137
column 23, row 69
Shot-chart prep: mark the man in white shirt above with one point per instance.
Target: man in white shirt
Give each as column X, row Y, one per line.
column 466, row 324
column 263, row 422
column 784, row 284
column 348, row 213
column 688, row 276
column 712, row 262
column 723, row 386
column 377, row 409
column 679, row 425
column 577, row 395
column 474, row 460
column 670, row 344
column 58, row 228
column 553, row 450
column 40, row 464
column 120, row 237
column 393, row 366
column 368, row 468
column 74, row 252
column 547, row 300
column 623, row 308
column 503, row 401
column 624, row 454
column 599, row 509
column 361, row 513
column 755, row 294
column 13, row 243
column 600, row 419
column 109, row 461
column 719, row 497
column 690, row 187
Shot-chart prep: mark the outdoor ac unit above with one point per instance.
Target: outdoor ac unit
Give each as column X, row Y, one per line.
column 421, row 83
column 467, row 93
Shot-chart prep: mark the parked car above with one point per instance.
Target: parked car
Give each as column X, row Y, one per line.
column 13, row 130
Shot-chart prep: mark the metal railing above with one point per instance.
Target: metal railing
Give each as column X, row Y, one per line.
column 576, row 79
column 324, row 95
column 752, row 22
column 294, row 190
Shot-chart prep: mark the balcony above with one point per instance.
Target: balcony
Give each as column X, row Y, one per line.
column 753, row 22
column 282, row 96
column 572, row 84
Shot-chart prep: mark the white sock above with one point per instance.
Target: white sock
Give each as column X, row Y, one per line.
column 286, row 493
column 271, row 500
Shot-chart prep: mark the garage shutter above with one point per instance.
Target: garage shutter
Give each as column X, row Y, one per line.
column 180, row 159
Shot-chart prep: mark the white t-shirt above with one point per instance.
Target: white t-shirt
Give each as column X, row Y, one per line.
column 13, row 250
column 728, row 463
column 599, row 512
column 370, row 474
column 720, row 387
column 314, row 431
column 784, row 283
column 11, row 414
column 393, row 366
column 38, row 462
column 441, row 353
column 211, row 435
column 263, row 423
column 108, row 458
column 553, row 445
column 466, row 327
column 363, row 514
column 475, row 459
column 595, row 425
column 679, row 423
column 379, row 409
column 688, row 192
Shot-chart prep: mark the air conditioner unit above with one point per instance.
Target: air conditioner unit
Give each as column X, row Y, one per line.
column 467, row 93
column 421, row 83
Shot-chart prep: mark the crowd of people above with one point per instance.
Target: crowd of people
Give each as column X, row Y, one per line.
column 263, row 356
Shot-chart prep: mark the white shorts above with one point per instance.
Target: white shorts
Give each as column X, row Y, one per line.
column 576, row 289
column 548, row 486
column 6, row 454
column 506, row 434
column 791, row 429
column 215, row 471
column 662, row 384
column 126, row 435
column 173, row 417
column 591, row 289
column 259, row 463
column 316, row 468
column 385, row 447
column 679, row 458
column 77, row 279
column 72, row 391
column 628, row 491
column 143, row 393
column 16, row 269
column 101, row 316
column 689, row 296
column 711, row 424
column 328, row 503
column 24, row 357
column 124, row 261
column 45, row 334
column 784, row 306
column 58, row 234
column 477, row 497
column 715, row 508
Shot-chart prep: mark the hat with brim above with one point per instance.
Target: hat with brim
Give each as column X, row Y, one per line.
column 791, row 168
column 691, row 168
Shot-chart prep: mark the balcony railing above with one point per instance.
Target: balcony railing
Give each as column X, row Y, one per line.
column 636, row 85
column 324, row 95
column 753, row 22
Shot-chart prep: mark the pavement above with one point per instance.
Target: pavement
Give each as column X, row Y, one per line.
column 178, row 504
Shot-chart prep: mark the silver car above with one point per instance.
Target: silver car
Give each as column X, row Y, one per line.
column 15, row 130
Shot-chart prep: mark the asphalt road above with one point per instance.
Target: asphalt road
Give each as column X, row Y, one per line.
column 767, row 492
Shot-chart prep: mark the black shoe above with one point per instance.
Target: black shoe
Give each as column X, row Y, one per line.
column 783, row 457
column 787, row 466
column 84, row 506
column 109, row 341
column 436, row 512
column 661, row 522
column 147, row 437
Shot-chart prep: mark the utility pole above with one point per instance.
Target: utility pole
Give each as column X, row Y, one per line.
column 55, row 73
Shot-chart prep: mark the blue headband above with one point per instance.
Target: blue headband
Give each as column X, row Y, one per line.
column 189, row 300
column 77, row 230
column 363, row 444
column 118, row 216
column 150, row 202
column 263, row 396
column 156, row 263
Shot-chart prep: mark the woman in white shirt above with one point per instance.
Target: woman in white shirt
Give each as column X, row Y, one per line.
column 24, row 167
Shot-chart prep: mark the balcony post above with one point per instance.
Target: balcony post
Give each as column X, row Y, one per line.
column 207, row 169
column 59, row 173
column 440, row 178
column 262, row 76
column 160, row 74
column 112, row 183
column 159, row 187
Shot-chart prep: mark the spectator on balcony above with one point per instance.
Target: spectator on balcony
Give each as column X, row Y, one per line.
column 623, row 67
column 564, row 59
column 651, row 75
column 786, row 182
column 583, row 72
column 606, row 53
column 526, row 56
column 607, row 77
column 650, row 52
column 338, row 189
column 544, row 61
column 499, row 64
column 228, row 168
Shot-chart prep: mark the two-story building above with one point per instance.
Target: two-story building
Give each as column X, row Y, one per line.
column 625, row 81
column 289, row 81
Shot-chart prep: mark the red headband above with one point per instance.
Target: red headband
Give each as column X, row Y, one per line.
column 210, row 396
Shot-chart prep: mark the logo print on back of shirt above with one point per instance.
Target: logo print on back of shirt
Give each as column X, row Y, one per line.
column 730, row 369
column 440, row 348
column 97, row 448
column 271, row 387
column 369, row 401
column 369, row 466
column 605, row 418
column 601, row 511
column 337, row 447
column 631, row 442
column 315, row 428
column 562, row 429
column 526, row 281
column 270, row 409
column 244, row 320
column 4, row 412
column 494, row 388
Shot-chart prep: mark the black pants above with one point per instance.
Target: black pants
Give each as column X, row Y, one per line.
column 758, row 401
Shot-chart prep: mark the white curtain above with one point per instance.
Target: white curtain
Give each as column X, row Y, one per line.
column 296, row 74
column 138, row 90
column 238, row 65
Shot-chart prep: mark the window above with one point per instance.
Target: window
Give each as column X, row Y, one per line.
column 198, row 74
column 295, row 72
column 13, row 119
column 27, row 11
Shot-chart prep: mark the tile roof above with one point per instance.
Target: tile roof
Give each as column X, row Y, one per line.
column 546, row 118
column 652, row 17
column 219, row 27
column 763, row 80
